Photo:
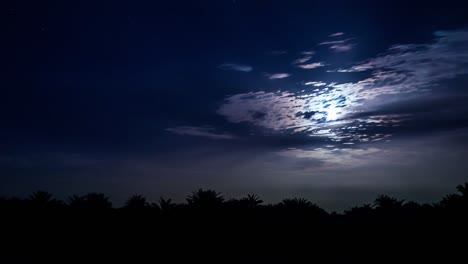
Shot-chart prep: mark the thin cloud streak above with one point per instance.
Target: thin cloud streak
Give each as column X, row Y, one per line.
column 337, row 34
column 302, row 60
column 342, row 48
column 278, row 76
column 236, row 67
column 333, row 42
column 207, row 132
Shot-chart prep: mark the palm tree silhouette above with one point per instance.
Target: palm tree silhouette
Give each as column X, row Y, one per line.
column 456, row 201
column 452, row 201
column 93, row 201
column 364, row 210
column 463, row 189
column 205, row 199
column 43, row 200
column 251, row 201
column 296, row 203
column 165, row 205
column 77, row 202
column 301, row 205
column 136, row 202
column 385, row 202
column 412, row 206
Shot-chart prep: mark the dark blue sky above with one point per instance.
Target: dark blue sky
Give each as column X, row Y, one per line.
column 335, row 101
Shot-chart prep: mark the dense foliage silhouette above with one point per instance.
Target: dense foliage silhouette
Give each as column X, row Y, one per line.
column 210, row 228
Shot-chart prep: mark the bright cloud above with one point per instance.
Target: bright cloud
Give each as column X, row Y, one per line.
column 316, row 84
column 338, row 111
column 278, row 76
column 310, row 65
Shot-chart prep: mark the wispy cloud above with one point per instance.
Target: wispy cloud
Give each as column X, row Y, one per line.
column 207, row 132
column 278, row 76
column 444, row 58
column 236, row 67
column 302, row 60
column 337, row 34
column 308, row 52
column 338, row 45
column 333, row 42
column 332, row 157
column 310, row 65
column 342, row 48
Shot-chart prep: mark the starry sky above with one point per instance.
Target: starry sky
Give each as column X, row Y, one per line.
column 334, row 101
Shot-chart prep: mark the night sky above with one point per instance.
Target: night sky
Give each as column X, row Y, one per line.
column 334, row 101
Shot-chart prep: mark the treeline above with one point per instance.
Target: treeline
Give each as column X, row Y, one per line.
column 212, row 201
column 207, row 228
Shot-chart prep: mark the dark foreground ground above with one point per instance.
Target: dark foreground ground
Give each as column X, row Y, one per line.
column 207, row 230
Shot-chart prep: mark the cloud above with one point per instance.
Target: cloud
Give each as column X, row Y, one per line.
column 338, row 45
column 444, row 58
column 236, row 67
column 334, row 42
column 278, row 76
column 310, row 65
column 207, row 132
column 337, row 34
column 316, row 84
column 342, row 48
column 319, row 114
column 281, row 110
column 333, row 157
column 302, row 60
column 308, row 52
column 352, row 112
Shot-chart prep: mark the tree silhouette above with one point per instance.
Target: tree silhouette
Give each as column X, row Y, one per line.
column 205, row 199
column 251, row 201
column 452, row 201
column 301, row 205
column 456, row 201
column 41, row 197
column 364, row 210
column 296, row 203
column 463, row 189
column 411, row 206
column 165, row 205
column 90, row 201
column 77, row 202
column 43, row 200
column 386, row 203
column 136, row 202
